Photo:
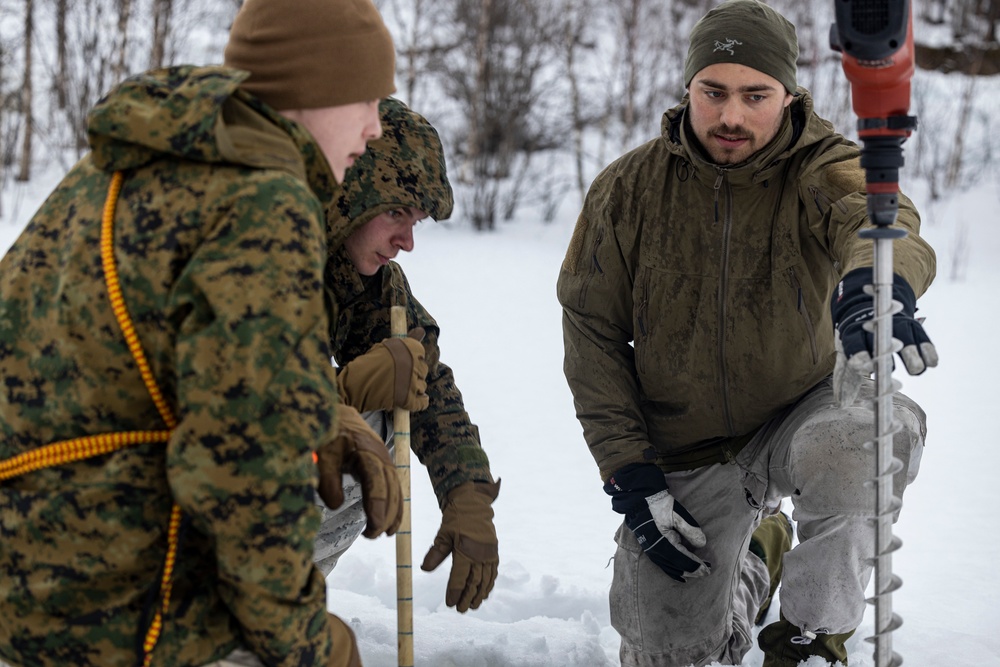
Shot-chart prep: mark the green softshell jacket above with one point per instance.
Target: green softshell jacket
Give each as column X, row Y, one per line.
column 220, row 242
column 405, row 168
column 696, row 297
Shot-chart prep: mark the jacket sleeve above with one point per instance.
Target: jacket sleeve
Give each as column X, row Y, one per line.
column 442, row 436
column 595, row 290
column 833, row 187
column 256, row 394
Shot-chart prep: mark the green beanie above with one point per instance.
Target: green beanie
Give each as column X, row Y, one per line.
column 403, row 167
column 745, row 32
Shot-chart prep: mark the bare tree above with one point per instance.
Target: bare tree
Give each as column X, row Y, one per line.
column 418, row 45
column 27, row 88
column 496, row 78
column 162, row 14
column 121, row 64
column 62, row 62
column 650, row 44
column 92, row 49
column 3, row 105
column 577, row 15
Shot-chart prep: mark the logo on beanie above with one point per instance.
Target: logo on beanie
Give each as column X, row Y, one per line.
column 727, row 45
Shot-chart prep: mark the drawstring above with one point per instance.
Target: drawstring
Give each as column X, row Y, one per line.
column 135, row 347
column 118, row 301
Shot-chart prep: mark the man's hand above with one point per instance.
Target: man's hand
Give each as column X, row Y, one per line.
column 359, row 452
column 660, row 524
column 468, row 534
column 392, row 374
column 853, row 310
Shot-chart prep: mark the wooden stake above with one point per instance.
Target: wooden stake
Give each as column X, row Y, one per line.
column 404, row 558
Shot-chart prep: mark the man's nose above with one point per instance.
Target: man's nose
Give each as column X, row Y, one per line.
column 732, row 114
column 404, row 240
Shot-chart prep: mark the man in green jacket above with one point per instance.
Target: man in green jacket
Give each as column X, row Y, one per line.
column 164, row 349
column 701, row 344
column 399, row 181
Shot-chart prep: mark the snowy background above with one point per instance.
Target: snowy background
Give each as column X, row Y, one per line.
column 494, row 297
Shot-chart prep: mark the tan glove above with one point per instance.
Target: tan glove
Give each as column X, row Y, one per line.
column 392, row 374
column 468, row 534
column 358, row 451
column 345, row 647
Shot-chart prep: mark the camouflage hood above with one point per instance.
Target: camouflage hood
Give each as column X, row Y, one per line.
column 200, row 114
column 405, row 167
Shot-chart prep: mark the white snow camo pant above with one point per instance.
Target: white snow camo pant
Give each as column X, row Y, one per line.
column 812, row 453
column 342, row 526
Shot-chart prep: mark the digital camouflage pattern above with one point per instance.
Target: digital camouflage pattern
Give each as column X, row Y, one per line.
column 220, row 245
column 405, row 167
column 696, row 297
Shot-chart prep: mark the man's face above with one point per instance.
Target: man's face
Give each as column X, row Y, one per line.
column 342, row 132
column 372, row 245
column 735, row 110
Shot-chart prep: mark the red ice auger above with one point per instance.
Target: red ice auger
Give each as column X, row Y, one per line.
column 875, row 38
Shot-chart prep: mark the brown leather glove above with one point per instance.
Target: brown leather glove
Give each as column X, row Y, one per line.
column 358, row 451
column 468, row 534
column 345, row 647
column 392, row 374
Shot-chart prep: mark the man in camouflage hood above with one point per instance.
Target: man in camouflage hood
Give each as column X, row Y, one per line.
column 164, row 347
column 399, row 181
column 714, row 376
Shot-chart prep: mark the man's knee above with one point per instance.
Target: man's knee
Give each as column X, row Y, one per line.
column 833, row 458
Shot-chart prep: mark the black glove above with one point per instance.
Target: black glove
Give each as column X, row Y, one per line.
column 639, row 491
column 853, row 308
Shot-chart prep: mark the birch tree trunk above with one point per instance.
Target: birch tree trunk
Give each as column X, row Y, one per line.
column 119, row 70
column 162, row 11
column 62, row 62
column 24, row 173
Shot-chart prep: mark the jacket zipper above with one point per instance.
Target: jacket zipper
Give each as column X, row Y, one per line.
column 723, row 290
column 823, row 202
column 800, row 305
column 643, row 279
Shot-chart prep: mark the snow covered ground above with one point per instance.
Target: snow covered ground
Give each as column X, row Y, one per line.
column 494, row 297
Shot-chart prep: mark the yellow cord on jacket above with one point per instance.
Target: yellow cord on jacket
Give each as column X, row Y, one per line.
column 78, row 449
column 135, row 347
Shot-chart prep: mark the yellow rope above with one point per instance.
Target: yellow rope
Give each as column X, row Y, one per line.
column 118, row 301
column 135, row 346
column 68, row 451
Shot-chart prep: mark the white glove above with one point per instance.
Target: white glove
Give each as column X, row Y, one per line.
column 675, row 522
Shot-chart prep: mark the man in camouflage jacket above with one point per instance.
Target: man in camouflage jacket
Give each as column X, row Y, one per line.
column 193, row 542
column 700, row 342
column 400, row 180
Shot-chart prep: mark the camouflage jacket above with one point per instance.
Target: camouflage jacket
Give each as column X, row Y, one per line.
column 405, row 167
column 696, row 297
column 220, row 245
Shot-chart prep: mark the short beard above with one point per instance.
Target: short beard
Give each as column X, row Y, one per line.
column 733, row 133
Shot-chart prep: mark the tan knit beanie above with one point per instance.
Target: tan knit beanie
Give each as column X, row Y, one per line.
column 308, row 54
